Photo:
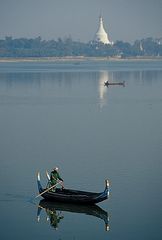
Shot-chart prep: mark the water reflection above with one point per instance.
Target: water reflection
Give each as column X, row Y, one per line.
column 53, row 216
column 55, row 212
column 76, row 87
column 103, row 77
column 105, row 80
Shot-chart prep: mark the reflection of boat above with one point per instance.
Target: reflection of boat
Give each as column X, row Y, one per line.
column 107, row 83
column 73, row 196
column 55, row 211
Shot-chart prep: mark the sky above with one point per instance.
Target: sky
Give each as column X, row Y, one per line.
column 126, row 20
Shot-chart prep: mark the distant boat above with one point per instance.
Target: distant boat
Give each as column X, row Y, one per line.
column 73, row 196
column 107, row 83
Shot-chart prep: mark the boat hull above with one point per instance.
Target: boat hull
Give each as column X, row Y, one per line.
column 72, row 196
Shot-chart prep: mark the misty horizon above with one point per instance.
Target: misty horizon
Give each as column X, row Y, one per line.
column 124, row 20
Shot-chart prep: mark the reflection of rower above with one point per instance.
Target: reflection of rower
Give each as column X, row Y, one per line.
column 52, row 215
column 54, row 207
column 107, row 83
column 54, row 218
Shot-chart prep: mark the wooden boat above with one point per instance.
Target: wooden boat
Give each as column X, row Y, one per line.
column 73, row 196
column 52, row 208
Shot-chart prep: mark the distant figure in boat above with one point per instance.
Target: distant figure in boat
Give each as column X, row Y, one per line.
column 54, row 177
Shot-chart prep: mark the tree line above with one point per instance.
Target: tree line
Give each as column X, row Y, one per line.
column 36, row 47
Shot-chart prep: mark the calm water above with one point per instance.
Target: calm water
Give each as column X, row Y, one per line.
column 60, row 114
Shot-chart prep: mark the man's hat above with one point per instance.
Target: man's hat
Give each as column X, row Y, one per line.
column 56, row 168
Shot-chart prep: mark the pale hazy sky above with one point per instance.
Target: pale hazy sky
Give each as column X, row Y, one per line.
column 125, row 20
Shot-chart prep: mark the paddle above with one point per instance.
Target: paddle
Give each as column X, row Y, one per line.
column 48, row 189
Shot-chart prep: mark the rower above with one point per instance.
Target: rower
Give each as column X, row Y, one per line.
column 55, row 176
column 106, row 83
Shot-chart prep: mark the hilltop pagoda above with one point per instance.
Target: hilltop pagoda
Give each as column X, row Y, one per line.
column 101, row 35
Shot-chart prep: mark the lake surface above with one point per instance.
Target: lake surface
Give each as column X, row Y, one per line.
column 61, row 114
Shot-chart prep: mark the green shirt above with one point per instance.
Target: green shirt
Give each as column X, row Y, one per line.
column 54, row 177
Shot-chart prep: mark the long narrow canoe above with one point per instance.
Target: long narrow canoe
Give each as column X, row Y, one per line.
column 73, row 196
column 107, row 83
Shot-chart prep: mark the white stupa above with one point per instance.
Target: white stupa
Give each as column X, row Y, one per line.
column 101, row 35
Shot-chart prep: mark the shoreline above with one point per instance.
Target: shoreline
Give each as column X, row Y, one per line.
column 76, row 59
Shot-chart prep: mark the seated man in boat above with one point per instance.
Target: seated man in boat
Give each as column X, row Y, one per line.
column 54, row 177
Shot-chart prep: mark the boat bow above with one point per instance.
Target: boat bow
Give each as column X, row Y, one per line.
column 40, row 188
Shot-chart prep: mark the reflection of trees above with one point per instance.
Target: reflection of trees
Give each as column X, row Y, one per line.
column 141, row 76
